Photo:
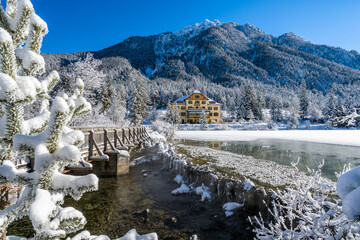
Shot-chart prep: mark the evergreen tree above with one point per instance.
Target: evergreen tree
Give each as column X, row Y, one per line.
column 177, row 119
column 169, row 113
column 173, row 115
column 332, row 107
column 118, row 106
column 293, row 121
column 138, row 101
column 112, row 103
column 250, row 106
column 203, row 120
column 46, row 137
column 276, row 108
column 106, row 95
column 304, row 101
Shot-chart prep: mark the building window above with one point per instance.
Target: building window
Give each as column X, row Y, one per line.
column 203, row 107
column 183, row 114
column 197, row 96
column 203, row 102
column 210, row 114
column 215, row 108
column 190, row 107
column 216, row 114
column 210, row 108
column 182, row 108
column 197, row 101
column 190, row 102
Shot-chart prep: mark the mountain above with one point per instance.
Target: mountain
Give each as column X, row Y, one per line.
column 228, row 53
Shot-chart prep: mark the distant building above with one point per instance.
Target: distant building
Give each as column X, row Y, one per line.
column 190, row 108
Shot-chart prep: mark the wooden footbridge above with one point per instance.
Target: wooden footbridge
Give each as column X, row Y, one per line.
column 105, row 151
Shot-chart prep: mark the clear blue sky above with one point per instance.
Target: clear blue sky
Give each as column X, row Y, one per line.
column 80, row 25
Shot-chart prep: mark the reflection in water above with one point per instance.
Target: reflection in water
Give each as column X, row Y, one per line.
column 286, row 152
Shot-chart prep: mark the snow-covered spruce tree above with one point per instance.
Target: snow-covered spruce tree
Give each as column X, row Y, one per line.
column 276, row 108
column 332, row 104
column 113, row 105
column 173, row 115
column 304, row 101
column 251, row 107
column 203, row 121
column 45, row 137
column 138, row 101
column 293, row 117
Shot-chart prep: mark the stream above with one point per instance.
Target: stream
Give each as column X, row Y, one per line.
column 120, row 205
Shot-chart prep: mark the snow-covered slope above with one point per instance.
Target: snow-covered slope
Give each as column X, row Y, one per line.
column 223, row 52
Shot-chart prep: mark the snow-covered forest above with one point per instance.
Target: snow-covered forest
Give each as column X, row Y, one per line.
column 110, row 86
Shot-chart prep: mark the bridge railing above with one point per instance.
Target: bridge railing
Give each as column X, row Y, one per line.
column 100, row 141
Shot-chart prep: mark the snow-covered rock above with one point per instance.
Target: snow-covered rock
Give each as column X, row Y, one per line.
column 230, row 207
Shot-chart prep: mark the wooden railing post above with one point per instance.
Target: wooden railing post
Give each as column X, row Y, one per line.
column 123, row 136
column 137, row 134
column 105, row 139
column 131, row 140
column 134, row 134
column 115, row 137
column 91, row 143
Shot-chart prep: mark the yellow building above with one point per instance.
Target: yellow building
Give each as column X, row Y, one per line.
column 190, row 108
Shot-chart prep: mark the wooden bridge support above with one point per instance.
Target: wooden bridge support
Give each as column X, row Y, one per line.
column 117, row 164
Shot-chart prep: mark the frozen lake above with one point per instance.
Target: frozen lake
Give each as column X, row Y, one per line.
column 287, row 151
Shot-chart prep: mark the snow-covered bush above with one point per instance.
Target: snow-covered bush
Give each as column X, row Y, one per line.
column 309, row 211
column 164, row 128
column 45, row 138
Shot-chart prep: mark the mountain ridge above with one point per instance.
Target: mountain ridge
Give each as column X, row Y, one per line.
column 226, row 52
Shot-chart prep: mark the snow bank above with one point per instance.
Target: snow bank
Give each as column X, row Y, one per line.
column 348, row 188
column 179, row 179
column 248, row 184
column 204, row 192
column 264, row 171
column 181, row 190
column 230, row 207
column 133, row 235
column 339, row 137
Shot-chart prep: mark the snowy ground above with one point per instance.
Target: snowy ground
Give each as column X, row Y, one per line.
column 339, row 137
column 261, row 171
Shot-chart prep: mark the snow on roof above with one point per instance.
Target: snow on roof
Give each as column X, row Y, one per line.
column 181, row 99
column 195, row 91
column 212, row 102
